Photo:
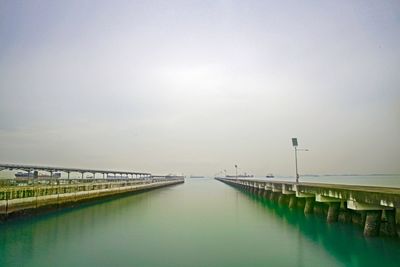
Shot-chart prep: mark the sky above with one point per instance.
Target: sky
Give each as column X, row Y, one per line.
column 196, row 87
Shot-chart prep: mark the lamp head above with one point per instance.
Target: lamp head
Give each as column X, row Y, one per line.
column 294, row 142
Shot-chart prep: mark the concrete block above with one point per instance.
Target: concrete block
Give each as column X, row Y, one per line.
column 287, row 190
column 301, row 194
column 321, row 198
column 353, row 205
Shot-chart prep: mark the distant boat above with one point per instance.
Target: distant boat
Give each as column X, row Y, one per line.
column 241, row 176
column 270, row 175
column 196, row 176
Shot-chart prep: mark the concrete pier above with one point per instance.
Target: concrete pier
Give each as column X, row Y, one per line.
column 23, row 200
column 375, row 209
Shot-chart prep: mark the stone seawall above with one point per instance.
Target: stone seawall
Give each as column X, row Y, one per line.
column 27, row 200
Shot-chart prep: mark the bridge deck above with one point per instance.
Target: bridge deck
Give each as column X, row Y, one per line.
column 381, row 196
column 63, row 169
column 364, row 188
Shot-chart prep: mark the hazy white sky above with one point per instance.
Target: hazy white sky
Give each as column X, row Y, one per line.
column 198, row 86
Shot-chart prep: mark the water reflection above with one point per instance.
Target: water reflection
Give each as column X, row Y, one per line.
column 23, row 240
column 343, row 241
column 201, row 223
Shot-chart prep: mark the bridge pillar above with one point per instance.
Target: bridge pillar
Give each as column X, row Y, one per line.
column 389, row 226
column 283, row 200
column 273, row 196
column 358, row 217
column 344, row 215
column 266, row 194
column 372, row 222
column 333, row 212
column 292, row 202
column 370, row 217
column 309, row 206
column 301, row 202
column 318, row 208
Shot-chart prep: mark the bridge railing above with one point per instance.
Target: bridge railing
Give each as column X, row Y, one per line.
column 64, row 181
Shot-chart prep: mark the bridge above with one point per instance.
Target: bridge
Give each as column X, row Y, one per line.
column 376, row 209
column 33, row 194
column 51, row 170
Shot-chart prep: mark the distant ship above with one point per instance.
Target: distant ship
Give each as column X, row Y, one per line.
column 31, row 175
column 241, row 176
column 270, row 175
column 196, row 176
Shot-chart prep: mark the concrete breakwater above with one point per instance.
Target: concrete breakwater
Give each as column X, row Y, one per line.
column 375, row 209
column 30, row 199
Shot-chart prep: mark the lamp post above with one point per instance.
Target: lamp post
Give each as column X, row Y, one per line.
column 295, row 145
column 236, row 170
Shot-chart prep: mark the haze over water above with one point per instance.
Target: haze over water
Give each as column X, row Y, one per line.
column 198, row 86
column 200, row 223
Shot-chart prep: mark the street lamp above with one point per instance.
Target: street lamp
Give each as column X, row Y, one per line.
column 236, row 170
column 295, row 145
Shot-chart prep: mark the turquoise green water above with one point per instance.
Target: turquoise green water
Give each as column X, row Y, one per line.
column 200, row 223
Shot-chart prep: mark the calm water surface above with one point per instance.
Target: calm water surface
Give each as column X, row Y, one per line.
column 201, row 223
